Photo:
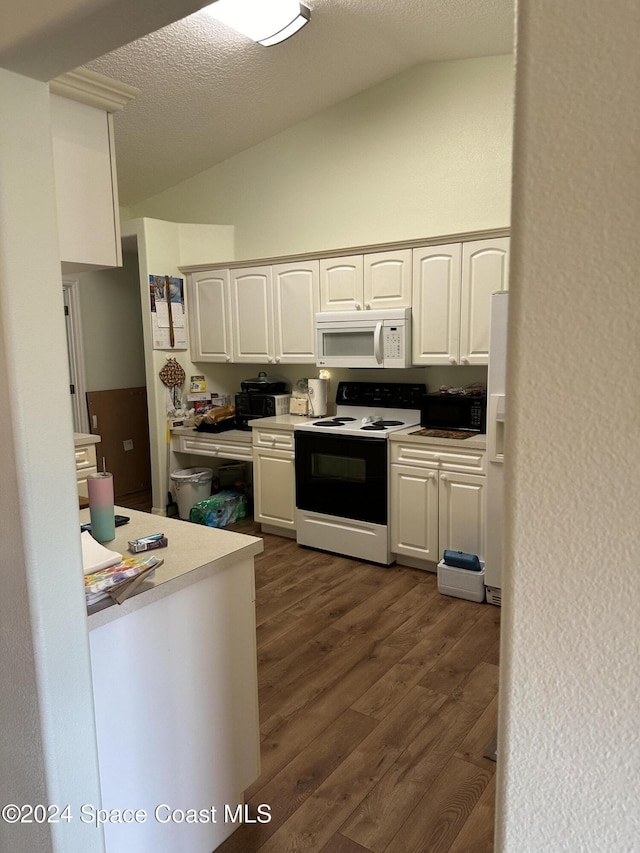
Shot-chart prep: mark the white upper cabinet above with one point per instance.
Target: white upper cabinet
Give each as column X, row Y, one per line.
column 82, row 103
column 208, row 304
column 452, row 285
column 341, row 283
column 266, row 314
column 387, row 279
column 485, row 269
column 366, row 282
column 296, row 299
column 436, row 304
column 251, row 315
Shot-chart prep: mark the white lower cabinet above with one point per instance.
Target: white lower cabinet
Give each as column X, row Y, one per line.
column 414, row 512
column 86, row 464
column 274, row 488
column 461, row 513
column 436, row 501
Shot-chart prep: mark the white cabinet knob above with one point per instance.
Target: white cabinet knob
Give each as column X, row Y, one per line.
column 443, row 478
column 358, row 306
column 464, row 360
column 277, row 359
column 431, row 475
column 368, row 306
column 227, row 358
column 269, row 359
column 452, row 360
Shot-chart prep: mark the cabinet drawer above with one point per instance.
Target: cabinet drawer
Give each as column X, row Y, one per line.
column 81, row 477
column 279, row 439
column 209, row 447
column 436, row 456
column 85, row 457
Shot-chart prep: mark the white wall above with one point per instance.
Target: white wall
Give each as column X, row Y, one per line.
column 569, row 750
column 162, row 248
column 112, row 326
column 47, row 747
column 424, row 154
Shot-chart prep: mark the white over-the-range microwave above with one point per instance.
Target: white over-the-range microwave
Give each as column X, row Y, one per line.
column 376, row 338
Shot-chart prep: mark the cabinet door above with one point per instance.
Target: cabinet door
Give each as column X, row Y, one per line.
column 436, row 304
column 341, row 283
column 485, row 269
column 387, row 279
column 296, row 299
column 274, row 488
column 251, row 313
column 461, row 513
column 414, row 512
column 209, row 316
column 86, row 190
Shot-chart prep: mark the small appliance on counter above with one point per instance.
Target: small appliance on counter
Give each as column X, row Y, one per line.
column 455, row 409
column 263, row 384
column 262, row 397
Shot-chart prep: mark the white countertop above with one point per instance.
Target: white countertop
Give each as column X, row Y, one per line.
column 477, row 442
column 82, row 438
column 287, row 422
column 282, row 421
column 193, row 553
column 234, row 435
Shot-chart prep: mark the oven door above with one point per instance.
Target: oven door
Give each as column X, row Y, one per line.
column 344, row 476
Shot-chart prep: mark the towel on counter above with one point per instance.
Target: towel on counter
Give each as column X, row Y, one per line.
column 95, row 556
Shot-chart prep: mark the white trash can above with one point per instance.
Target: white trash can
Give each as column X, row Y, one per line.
column 191, row 485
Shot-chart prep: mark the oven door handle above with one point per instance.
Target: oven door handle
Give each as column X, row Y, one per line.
column 377, row 342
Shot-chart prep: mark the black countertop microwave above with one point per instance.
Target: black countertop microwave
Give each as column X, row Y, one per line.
column 253, row 405
column 454, row 411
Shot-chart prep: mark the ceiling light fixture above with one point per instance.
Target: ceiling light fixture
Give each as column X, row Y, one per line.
column 267, row 22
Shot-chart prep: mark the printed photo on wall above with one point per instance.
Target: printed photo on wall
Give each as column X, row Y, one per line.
column 169, row 328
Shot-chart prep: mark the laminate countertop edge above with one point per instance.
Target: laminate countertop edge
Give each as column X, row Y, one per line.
column 194, row 553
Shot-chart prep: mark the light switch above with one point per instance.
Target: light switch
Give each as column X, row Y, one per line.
column 128, row 444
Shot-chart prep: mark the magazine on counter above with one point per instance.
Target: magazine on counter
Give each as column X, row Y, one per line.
column 98, row 585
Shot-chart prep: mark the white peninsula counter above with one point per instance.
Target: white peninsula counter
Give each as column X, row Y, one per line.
column 175, row 689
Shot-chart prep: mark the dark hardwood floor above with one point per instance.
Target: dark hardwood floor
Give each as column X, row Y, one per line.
column 378, row 698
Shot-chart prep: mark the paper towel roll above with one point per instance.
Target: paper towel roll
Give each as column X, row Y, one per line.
column 317, row 397
column 103, row 524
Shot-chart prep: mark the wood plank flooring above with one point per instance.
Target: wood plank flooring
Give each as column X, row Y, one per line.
column 378, row 698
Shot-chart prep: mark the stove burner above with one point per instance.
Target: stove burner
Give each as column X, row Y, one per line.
column 382, row 424
column 334, row 422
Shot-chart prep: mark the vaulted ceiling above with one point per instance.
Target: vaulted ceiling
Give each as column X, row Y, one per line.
column 207, row 93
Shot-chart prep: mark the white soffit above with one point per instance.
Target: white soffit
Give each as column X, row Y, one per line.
column 207, row 92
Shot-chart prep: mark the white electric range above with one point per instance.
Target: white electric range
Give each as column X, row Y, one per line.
column 342, row 469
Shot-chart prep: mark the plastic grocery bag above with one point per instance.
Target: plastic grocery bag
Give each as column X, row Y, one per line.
column 220, row 509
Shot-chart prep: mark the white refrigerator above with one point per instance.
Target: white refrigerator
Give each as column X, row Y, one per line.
column 496, row 423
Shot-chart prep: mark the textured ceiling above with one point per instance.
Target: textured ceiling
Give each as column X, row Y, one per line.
column 207, row 93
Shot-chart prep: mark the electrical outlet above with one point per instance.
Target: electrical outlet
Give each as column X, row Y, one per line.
column 127, row 444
